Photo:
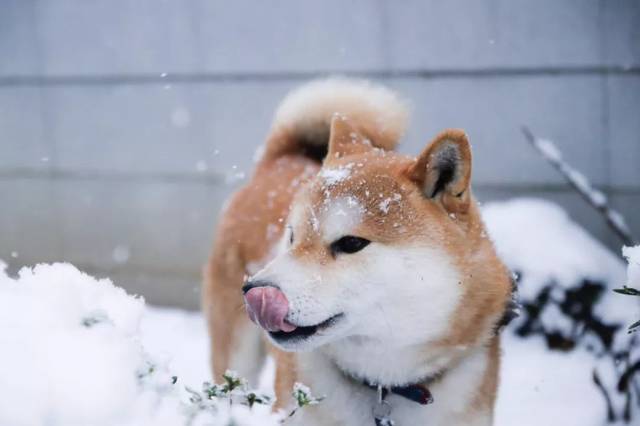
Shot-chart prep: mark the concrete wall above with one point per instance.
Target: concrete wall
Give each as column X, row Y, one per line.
column 125, row 124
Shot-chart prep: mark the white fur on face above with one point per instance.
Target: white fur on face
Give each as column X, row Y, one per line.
column 340, row 217
column 311, row 302
column 391, row 297
column 334, row 219
column 407, row 293
column 401, row 298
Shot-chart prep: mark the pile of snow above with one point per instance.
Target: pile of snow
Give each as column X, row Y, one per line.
column 537, row 386
column 538, row 240
column 72, row 355
column 542, row 387
column 177, row 339
column 566, row 282
column 543, row 246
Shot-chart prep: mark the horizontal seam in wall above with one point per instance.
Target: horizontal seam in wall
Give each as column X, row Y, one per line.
column 186, row 274
column 221, row 77
column 559, row 188
column 220, row 180
column 206, row 178
column 101, row 270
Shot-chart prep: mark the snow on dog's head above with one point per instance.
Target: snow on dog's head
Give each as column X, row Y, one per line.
column 385, row 248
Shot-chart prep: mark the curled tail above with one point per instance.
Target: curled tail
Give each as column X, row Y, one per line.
column 302, row 120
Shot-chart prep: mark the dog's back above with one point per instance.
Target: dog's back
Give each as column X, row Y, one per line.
column 251, row 226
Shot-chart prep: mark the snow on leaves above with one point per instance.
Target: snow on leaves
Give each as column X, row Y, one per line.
column 303, row 397
column 632, row 288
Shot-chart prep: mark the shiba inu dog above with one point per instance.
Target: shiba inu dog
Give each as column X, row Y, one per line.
column 369, row 272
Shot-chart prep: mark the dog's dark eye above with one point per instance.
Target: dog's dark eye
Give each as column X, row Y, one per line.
column 348, row 244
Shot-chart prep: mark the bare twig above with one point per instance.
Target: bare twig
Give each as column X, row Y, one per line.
column 611, row 415
column 581, row 184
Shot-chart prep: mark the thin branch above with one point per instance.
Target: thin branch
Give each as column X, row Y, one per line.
column 581, row 184
column 611, row 415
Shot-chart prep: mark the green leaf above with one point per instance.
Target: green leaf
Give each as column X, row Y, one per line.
column 627, row 291
column 148, row 371
column 303, row 397
column 213, row 390
column 195, row 396
column 97, row 317
column 253, row 398
column 232, row 381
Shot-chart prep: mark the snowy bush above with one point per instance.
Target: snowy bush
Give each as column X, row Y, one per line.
column 565, row 282
column 72, row 355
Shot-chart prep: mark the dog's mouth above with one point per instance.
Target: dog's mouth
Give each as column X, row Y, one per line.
column 304, row 332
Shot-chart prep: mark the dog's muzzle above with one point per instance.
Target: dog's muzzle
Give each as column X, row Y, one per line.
column 267, row 306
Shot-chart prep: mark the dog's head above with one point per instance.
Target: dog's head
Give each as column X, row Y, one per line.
column 382, row 246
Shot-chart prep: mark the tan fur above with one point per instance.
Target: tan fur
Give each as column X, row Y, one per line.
column 307, row 111
column 286, row 376
column 487, row 392
column 251, row 224
column 254, row 221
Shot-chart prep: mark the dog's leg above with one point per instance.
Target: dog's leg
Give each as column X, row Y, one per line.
column 235, row 342
column 286, row 371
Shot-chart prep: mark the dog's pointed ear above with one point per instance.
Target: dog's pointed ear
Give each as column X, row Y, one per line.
column 345, row 138
column 443, row 170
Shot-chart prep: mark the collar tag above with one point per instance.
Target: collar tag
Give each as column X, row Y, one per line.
column 386, row 421
column 382, row 409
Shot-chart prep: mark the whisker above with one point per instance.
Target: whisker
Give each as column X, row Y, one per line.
column 384, row 316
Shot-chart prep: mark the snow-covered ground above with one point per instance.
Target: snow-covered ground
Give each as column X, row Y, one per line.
column 538, row 387
column 79, row 351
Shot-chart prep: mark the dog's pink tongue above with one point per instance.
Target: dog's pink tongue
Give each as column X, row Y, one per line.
column 267, row 307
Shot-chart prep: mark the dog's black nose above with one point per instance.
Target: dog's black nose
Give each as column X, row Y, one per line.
column 248, row 285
